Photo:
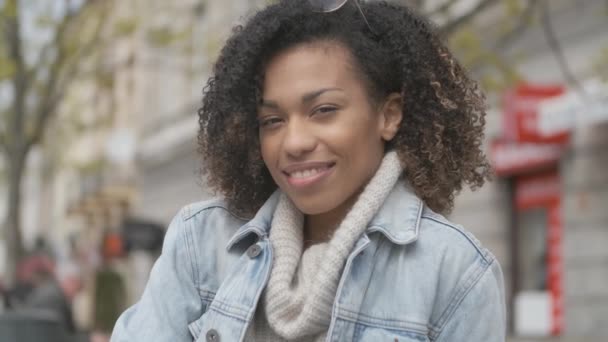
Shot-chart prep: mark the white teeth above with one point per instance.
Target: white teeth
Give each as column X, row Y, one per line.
column 305, row 173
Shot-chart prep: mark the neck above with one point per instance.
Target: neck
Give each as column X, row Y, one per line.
column 320, row 228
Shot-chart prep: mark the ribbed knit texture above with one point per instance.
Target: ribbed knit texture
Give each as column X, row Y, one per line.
column 299, row 296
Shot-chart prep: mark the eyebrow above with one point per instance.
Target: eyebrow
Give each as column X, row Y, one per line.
column 306, row 98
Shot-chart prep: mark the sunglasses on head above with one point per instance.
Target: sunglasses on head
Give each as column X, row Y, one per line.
column 326, row 6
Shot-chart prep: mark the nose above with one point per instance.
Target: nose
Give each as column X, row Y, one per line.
column 299, row 139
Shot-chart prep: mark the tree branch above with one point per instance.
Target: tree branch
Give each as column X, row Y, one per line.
column 3, row 140
column 62, row 70
column 72, row 66
column 3, row 23
column 455, row 24
column 557, row 49
column 442, row 8
column 19, row 79
column 4, row 114
column 523, row 23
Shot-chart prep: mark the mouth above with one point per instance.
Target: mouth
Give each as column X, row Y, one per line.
column 306, row 175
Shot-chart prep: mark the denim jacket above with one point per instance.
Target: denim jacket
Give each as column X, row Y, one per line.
column 413, row 276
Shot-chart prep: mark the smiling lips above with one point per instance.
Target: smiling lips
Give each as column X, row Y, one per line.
column 307, row 174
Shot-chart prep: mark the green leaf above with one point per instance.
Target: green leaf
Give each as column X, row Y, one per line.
column 9, row 9
column 125, row 27
column 7, row 68
column 46, row 21
column 165, row 36
column 160, row 36
column 104, row 79
column 512, row 7
column 90, row 167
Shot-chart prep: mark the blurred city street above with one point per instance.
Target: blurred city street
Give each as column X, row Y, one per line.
column 98, row 133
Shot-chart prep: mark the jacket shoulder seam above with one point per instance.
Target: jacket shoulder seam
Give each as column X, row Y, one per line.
column 480, row 250
column 194, row 209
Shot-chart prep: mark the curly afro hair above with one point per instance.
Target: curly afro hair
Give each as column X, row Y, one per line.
column 439, row 141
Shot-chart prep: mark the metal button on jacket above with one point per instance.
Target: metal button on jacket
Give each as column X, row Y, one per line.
column 254, row 251
column 213, row 336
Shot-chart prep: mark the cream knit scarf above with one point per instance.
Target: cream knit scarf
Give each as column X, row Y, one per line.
column 301, row 290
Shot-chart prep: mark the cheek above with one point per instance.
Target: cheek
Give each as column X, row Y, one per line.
column 265, row 151
column 268, row 150
column 360, row 135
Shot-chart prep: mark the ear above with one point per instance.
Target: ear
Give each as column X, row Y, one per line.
column 391, row 114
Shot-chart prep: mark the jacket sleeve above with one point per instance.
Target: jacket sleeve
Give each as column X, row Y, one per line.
column 170, row 300
column 481, row 315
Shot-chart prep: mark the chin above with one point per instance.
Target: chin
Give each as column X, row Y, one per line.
column 313, row 206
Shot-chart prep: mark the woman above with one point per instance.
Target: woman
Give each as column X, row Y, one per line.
column 337, row 133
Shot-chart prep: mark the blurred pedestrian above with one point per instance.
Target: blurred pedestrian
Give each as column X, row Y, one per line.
column 47, row 297
column 110, row 289
column 39, row 259
column 337, row 133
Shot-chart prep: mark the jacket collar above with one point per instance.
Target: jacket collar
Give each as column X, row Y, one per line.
column 398, row 218
column 260, row 223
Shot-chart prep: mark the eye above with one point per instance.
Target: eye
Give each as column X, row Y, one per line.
column 269, row 122
column 323, row 110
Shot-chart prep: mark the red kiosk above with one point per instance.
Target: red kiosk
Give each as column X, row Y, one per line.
column 529, row 160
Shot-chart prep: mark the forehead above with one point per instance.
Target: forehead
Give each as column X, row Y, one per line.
column 310, row 65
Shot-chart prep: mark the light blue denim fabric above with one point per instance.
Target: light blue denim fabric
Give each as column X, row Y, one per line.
column 413, row 276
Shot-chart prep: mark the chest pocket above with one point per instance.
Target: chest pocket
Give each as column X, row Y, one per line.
column 206, row 298
column 365, row 333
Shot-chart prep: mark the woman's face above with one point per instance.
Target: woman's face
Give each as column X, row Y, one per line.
column 321, row 137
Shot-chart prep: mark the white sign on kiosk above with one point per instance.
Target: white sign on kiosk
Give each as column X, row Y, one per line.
column 533, row 313
column 563, row 113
